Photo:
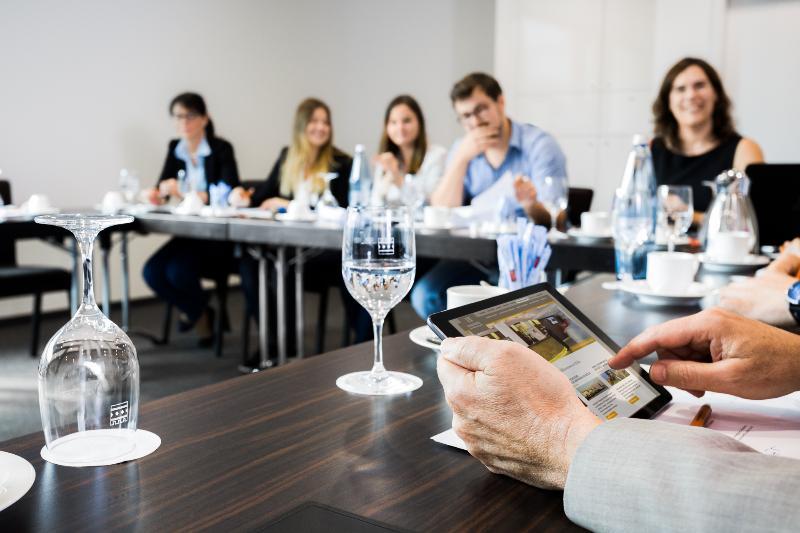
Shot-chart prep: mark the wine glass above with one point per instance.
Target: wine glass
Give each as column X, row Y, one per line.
column 328, row 199
column 675, row 210
column 88, row 372
column 414, row 194
column 632, row 223
column 378, row 266
column 553, row 195
column 129, row 185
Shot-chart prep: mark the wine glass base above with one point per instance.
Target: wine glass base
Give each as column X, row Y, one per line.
column 363, row 383
column 93, row 446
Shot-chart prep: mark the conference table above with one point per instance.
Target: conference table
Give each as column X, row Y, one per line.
column 244, row 453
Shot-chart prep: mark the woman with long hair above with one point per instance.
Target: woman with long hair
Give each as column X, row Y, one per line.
column 202, row 159
column 404, row 150
column 695, row 138
column 301, row 164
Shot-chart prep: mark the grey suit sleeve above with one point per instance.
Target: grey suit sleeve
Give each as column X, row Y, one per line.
column 643, row 475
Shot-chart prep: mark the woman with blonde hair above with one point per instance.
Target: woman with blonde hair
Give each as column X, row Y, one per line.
column 302, row 163
column 310, row 155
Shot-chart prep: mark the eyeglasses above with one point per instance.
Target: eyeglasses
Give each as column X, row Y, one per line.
column 188, row 117
column 476, row 112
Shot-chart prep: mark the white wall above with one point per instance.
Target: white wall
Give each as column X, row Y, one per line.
column 588, row 71
column 84, row 87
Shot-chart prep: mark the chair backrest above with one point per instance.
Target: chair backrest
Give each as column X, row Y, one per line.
column 578, row 201
column 8, row 251
column 775, row 193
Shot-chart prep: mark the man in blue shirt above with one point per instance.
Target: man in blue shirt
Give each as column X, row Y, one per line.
column 493, row 145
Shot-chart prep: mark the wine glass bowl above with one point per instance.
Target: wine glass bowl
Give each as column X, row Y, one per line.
column 328, row 199
column 88, row 371
column 378, row 266
column 553, row 194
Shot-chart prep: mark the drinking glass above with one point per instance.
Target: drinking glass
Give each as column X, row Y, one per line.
column 328, row 199
column 378, row 265
column 675, row 211
column 88, row 372
column 129, row 185
column 632, row 223
column 553, row 195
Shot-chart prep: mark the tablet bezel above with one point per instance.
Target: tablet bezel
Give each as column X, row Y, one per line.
column 440, row 324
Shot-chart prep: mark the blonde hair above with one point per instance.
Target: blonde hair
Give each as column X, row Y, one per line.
column 297, row 167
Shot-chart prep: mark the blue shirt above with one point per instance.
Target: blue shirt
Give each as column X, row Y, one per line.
column 531, row 152
column 195, row 174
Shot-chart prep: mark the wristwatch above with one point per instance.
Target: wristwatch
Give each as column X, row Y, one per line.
column 793, row 297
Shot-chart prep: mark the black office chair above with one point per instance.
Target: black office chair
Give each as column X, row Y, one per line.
column 17, row 280
column 578, row 201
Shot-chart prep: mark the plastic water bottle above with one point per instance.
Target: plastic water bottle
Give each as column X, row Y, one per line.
column 639, row 176
column 360, row 180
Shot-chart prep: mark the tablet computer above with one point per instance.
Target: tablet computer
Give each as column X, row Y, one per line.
column 541, row 319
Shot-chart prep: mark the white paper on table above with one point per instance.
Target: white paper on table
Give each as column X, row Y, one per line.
column 486, row 204
column 771, row 427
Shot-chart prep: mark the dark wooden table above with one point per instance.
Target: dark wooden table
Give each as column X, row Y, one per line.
column 238, row 454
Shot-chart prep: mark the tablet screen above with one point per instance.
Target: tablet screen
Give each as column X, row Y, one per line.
column 538, row 322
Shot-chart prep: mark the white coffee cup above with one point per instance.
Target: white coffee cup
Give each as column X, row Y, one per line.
column 436, row 217
column 113, row 201
column 37, row 203
column 192, row 204
column 467, row 294
column 671, row 272
column 729, row 245
column 595, row 223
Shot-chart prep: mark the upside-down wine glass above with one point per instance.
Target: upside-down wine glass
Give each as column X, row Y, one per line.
column 378, row 265
column 328, row 199
column 88, row 372
column 554, row 196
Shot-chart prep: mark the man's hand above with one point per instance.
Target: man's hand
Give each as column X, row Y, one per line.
column 154, row 196
column 273, row 204
column 788, row 262
column 477, row 141
column 719, row 351
column 516, row 413
column 525, row 191
column 760, row 298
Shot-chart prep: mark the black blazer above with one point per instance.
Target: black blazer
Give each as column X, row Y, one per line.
column 220, row 164
column 271, row 188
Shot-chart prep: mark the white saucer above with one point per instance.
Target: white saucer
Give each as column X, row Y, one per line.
column 423, row 336
column 20, row 476
column 641, row 289
column 749, row 261
column 284, row 217
column 144, row 444
column 580, row 235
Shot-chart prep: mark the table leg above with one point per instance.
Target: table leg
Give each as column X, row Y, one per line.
column 263, row 308
column 126, row 282
column 280, row 287
column 298, row 298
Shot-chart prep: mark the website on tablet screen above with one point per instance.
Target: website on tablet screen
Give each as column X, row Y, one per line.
column 538, row 322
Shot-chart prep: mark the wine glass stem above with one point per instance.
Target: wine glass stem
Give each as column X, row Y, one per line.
column 378, row 372
column 671, row 242
column 86, row 245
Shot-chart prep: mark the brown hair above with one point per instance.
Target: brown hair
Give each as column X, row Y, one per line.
column 665, row 125
column 464, row 87
column 297, row 161
column 420, row 143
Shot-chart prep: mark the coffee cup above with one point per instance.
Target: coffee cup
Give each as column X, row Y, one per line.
column 467, row 294
column 113, row 202
column 436, row 217
column 671, row 272
column 595, row 223
column 729, row 245
column 37, row 203
column 192, row 204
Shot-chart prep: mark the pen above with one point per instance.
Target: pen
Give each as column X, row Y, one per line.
column 701, row 418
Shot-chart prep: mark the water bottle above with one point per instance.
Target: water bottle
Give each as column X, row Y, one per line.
column 638, row 176
column 360, row 180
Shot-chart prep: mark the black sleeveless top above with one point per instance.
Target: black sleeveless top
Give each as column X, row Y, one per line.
column 676, row 169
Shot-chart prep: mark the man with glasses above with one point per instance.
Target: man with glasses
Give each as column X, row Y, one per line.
column 494, row 145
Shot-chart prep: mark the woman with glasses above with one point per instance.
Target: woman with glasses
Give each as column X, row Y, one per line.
column 404, row 150
column 195, row 161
